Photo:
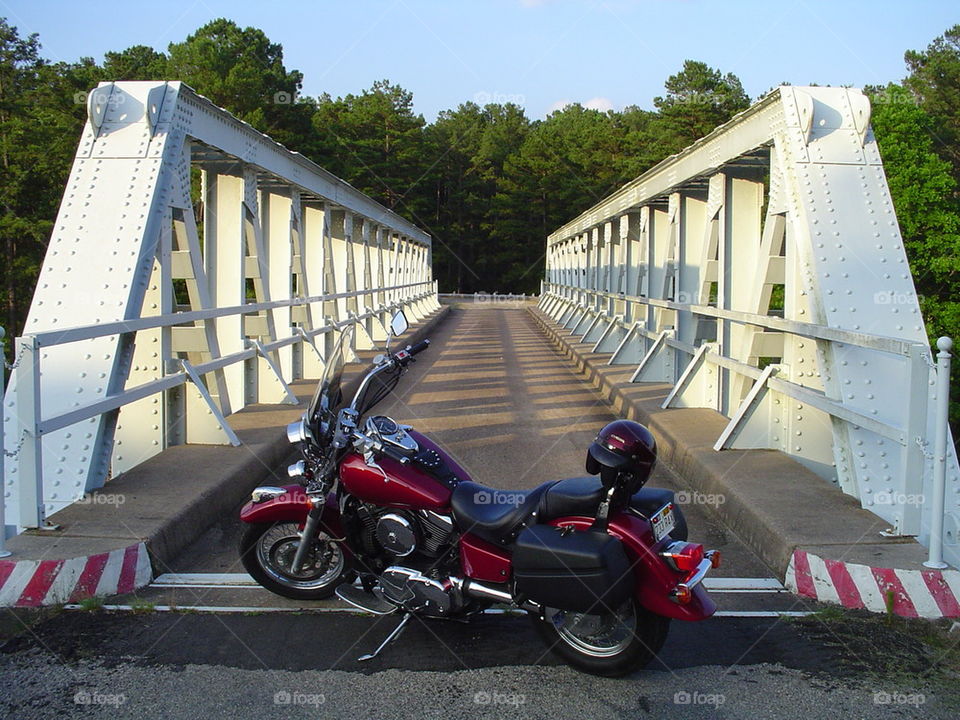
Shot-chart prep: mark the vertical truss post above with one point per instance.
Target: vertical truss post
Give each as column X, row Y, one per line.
column 32, row 513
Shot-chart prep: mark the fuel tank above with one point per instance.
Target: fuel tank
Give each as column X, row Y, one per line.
column 408, row 486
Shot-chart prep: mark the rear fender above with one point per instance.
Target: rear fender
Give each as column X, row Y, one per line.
column 293, row 506
column 654, row 579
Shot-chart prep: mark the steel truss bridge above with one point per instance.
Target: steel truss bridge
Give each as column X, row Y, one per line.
column 196, row 266
column 156, row 316
column 761, row 273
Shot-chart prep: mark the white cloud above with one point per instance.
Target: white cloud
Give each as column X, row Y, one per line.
column 599, row 103
column 558, row 105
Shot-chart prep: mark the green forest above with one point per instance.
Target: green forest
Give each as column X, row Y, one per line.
column 488, row 183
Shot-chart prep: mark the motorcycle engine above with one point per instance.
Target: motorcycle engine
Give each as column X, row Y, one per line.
column 396, row 534
column 401, row 533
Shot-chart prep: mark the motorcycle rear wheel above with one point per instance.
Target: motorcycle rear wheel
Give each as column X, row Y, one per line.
column 267, row 552
column 611, row 645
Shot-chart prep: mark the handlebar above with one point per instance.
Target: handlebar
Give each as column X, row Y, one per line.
column 419, row 347
column 406, row 355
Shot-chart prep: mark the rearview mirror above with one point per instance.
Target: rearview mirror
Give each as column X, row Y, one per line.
column 399, row 324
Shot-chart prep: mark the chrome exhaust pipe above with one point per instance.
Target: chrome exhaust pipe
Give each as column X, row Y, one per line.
column 482, row 591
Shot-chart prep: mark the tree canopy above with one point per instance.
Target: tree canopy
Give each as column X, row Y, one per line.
column 487, row 182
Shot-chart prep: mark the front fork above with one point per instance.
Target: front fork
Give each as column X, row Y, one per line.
column 310, row 529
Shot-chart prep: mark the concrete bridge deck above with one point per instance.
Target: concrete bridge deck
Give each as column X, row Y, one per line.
column 497, row 392
column 499, row 398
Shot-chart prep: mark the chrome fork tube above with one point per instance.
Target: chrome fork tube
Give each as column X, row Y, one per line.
column 310, row 529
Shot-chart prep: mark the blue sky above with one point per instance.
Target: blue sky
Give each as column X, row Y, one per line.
column 539, row 53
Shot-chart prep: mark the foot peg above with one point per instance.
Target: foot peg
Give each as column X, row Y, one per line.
column 389, row 639
column 360, row 598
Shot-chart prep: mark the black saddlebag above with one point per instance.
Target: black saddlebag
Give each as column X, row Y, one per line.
column 585, row 572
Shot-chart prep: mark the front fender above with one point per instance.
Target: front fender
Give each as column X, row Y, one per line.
column 654, row 579
column 293, row 506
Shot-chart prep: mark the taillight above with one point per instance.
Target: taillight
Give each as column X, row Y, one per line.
column 683, row 556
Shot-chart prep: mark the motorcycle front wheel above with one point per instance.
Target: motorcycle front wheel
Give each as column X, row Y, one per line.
column 612, row 645
column 267, row 551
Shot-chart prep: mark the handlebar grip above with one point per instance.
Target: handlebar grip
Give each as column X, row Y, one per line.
column 419, row 347
column 394, row 454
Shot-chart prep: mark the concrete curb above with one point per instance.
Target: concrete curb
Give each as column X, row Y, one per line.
column 169, row 501
column 32, row 583
column 824, row 545
column 908, row 593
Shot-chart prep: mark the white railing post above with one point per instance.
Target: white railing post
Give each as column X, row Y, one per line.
column 30, row 465
column 944, row 345
column 3, row 454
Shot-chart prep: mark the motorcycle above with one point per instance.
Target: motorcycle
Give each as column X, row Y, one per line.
column 381, row 516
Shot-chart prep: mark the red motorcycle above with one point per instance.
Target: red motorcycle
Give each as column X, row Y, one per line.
column 384, row 518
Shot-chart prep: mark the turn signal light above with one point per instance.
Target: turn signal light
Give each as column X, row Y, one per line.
column 684, row 556
column 714, row 559
column 682, row 594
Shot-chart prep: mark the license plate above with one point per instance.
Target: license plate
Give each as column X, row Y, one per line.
column 662, row 522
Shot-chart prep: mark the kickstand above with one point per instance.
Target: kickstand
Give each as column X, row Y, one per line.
column 390, row 638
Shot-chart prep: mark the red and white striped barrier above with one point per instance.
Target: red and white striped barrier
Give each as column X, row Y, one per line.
column 32, row 583
column 910, row 593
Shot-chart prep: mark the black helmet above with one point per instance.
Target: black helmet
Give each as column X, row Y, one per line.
column 624, row 454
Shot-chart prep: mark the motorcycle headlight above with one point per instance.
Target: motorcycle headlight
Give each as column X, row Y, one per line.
column 262, row 494
column 299, row 431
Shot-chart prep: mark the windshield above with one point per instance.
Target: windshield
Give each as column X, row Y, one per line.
column 328, row 396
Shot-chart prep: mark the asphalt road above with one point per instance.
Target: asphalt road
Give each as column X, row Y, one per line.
column 513, row 414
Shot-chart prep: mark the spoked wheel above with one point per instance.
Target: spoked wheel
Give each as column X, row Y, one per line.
column 267, row 551
column 612, row 644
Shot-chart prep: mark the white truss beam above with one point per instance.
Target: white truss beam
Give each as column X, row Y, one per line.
column 766, row 264
column 150, row 330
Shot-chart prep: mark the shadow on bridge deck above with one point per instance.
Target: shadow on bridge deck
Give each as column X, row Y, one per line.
column 807, row 531
column 137, row 524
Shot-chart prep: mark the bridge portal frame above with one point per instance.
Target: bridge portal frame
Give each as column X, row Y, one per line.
column 760, row 272
column 152, row 322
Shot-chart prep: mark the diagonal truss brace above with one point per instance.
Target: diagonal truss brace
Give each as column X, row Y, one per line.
column 291, row 399
column 214, row 409
column 743, row 413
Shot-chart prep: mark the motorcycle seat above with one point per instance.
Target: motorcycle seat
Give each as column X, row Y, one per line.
column 494, row 515
column 572, row 496
column 582, row 496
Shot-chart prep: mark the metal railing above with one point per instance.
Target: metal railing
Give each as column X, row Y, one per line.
column 277, row 256
column 761, row 272
column 417, row 298
column 591, row 314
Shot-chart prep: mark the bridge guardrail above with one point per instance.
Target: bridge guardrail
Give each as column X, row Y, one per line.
column 175, row 204
column 418, row 298
column 761, row 272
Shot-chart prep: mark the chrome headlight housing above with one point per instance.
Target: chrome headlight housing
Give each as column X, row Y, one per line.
column 262, row 494
column 299, row 431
